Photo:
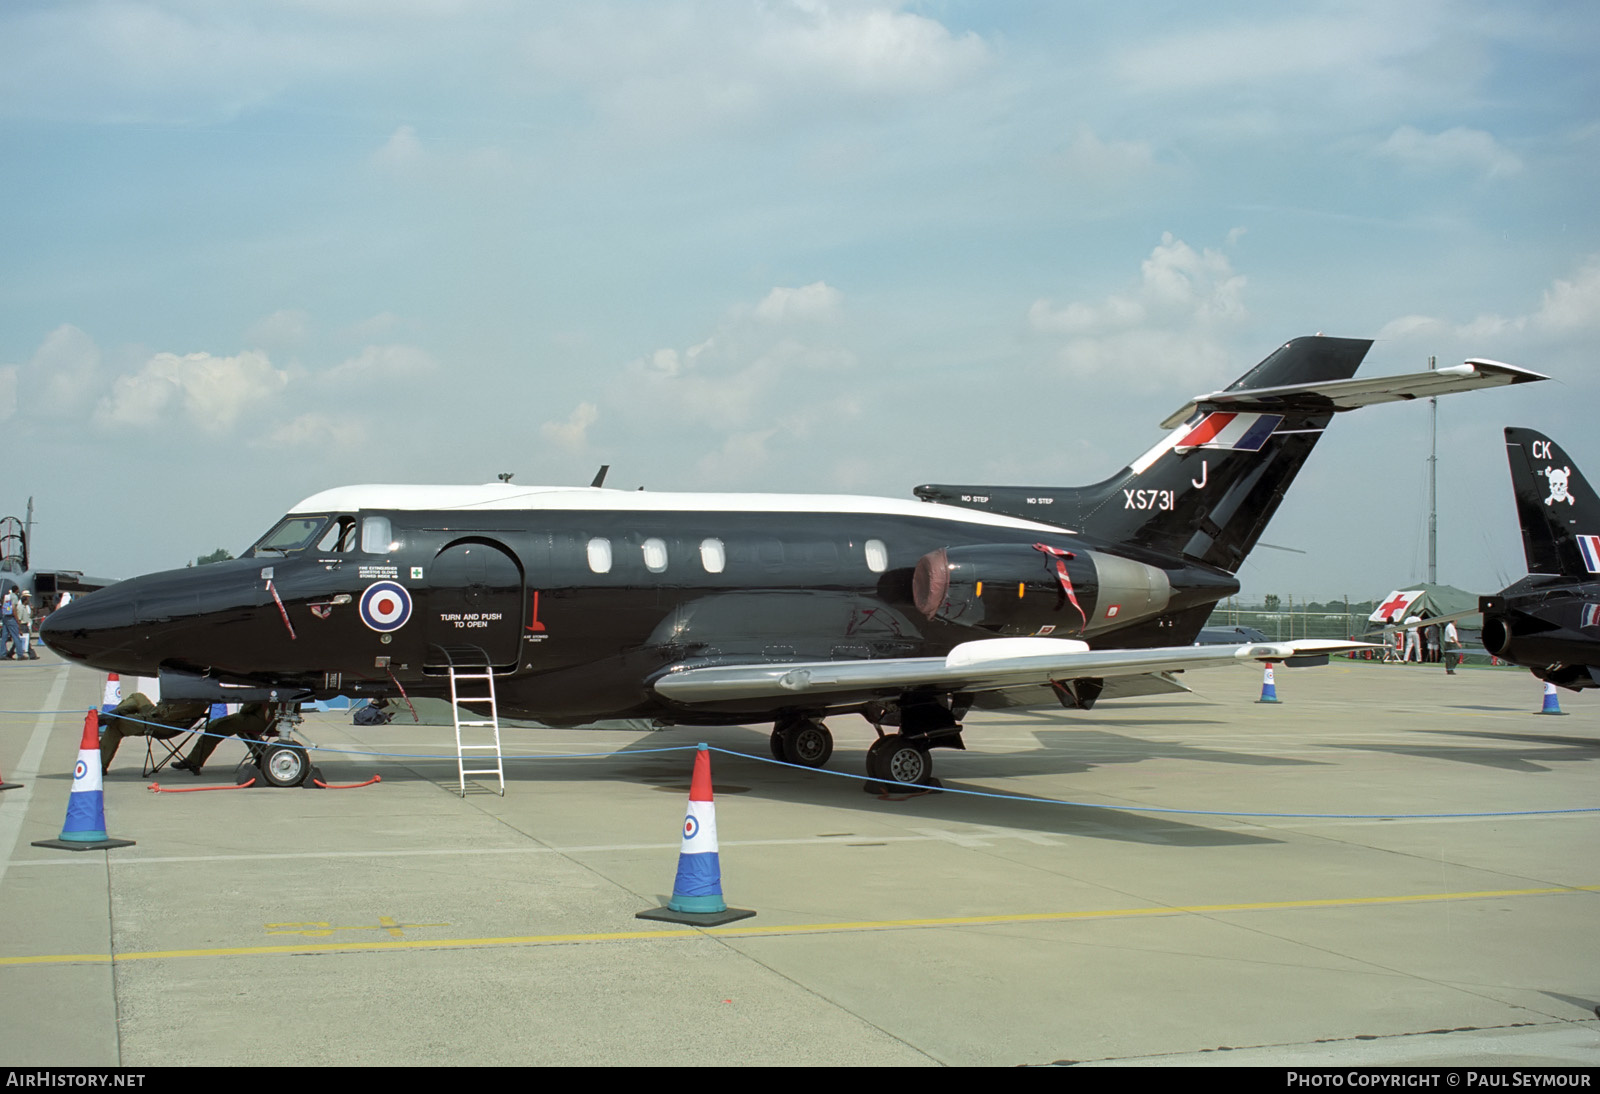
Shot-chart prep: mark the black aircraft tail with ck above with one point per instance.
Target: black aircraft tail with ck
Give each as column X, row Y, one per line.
column 1559, row 513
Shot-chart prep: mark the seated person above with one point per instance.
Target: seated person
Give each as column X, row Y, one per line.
column 250, row 723
column 133, row 717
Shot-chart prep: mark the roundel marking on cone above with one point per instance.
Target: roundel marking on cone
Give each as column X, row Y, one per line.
column 385, row 606
column 80, row 770
column 691, row 827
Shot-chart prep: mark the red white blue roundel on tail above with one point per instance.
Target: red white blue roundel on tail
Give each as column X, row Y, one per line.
column 385, row 606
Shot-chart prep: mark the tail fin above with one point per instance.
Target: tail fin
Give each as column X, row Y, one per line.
column 1207, row 491
column 1559, row 513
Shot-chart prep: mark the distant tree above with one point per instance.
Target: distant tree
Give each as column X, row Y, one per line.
column 219, row 555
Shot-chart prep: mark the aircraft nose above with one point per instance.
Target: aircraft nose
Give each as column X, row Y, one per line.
column 95, row 628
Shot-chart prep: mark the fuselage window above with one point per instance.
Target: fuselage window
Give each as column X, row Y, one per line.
column 600, row 555
column 877, row 556
column 712, row 556
column 655, row 555
column 377, row 537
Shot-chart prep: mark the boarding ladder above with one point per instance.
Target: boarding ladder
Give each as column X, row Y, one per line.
column 469, row 668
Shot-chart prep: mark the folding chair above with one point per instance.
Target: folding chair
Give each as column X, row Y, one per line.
column 172, row 742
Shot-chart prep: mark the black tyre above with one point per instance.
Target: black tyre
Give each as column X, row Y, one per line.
column 808, row 744
column 285, row 765
column 894, row 759
column 775, row 742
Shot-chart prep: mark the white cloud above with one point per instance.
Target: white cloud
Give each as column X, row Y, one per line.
column 1568, row 306
column 317, row 432
column 572, row 433
column 401, row 149
column 1088, row 160
column 740, row 454
column 1572, row 305
column 374, row 326
column 283, row 329
column 8, row 392
column 209, row 392
column 816, row 302
column 1454, row 149
column 1171, row 327
column 871, row 47
column 382, row 365
column 67, row 369
column 661, row 68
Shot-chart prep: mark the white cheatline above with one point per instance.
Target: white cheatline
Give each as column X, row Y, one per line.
column 14, row 803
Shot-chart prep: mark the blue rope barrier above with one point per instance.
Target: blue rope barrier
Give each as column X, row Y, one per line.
column 908, row 788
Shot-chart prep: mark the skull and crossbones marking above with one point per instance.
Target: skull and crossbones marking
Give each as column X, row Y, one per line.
column 1558, row 485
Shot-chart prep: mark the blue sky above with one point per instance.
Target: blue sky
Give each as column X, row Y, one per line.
column 255, row 250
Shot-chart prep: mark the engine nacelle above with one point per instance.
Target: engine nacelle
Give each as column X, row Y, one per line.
column 1017, row 589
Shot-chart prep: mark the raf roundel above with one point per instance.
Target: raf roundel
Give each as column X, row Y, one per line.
column 385, row 606
column 691, row 827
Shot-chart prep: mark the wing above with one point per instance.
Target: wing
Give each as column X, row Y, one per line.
column 990, row 664
column 1340, row 395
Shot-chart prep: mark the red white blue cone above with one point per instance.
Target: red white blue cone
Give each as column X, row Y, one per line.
column 112, row 695
column 697, row 890
column 1552, row 702
column 1269, row 690
column 85, row 828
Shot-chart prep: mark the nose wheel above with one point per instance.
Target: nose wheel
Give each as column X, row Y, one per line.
column 285, row 764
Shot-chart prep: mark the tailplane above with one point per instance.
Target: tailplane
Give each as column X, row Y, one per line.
column 1207, row 491
column 1559, row 513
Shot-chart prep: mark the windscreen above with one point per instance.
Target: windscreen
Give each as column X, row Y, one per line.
column 292, row 534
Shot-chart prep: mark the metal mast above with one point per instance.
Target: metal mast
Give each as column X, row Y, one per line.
column 1433, row 489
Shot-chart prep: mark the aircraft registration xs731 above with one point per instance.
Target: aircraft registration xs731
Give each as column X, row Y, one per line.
column 728, row 609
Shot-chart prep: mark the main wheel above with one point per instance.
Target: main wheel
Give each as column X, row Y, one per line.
column 285, row 765
column 808, row 744
column 894, row 759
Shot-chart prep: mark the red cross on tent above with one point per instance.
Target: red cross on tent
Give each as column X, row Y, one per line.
column 1394, row 608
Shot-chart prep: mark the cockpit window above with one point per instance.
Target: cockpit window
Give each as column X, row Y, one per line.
column 340, row 536
column 293, row 534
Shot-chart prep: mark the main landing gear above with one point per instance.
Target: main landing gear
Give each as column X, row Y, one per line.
column 901, row 758
column 894, row 759
column 926, row 722
column 801, row 740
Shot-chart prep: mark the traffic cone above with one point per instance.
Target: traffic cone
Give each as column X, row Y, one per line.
column 112, row 695
column 85, row 829
column 1552, row 704
column 1269, row 691
column 697, row 890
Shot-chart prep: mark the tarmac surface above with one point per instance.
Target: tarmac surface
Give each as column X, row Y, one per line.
column 403, row 923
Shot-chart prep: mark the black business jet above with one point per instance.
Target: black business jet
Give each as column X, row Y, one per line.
column 729, row 609
column 1550, row 620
